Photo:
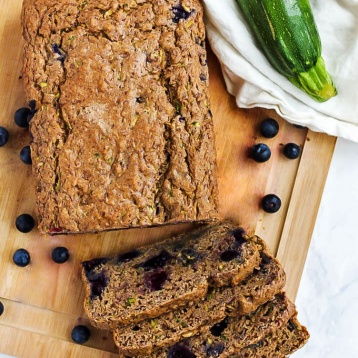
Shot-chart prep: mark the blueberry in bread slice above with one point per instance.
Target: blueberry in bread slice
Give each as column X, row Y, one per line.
column 123, row 132
column 228, row 337
column 151, row 334
column 159, row 278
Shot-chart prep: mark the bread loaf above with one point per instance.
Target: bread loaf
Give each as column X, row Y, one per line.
column 123, row 133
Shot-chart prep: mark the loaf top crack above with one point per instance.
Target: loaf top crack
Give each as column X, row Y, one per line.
column 123, row 133
column 156, row 279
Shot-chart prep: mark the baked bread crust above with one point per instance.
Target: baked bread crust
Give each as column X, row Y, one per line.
column 123, row 134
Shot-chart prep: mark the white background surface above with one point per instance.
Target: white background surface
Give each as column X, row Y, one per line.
column 328, row 296
column 327, row 300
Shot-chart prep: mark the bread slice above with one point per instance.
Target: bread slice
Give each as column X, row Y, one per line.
column 279, row 344
column 159, row 278
column 151, row 334
column 228, row 337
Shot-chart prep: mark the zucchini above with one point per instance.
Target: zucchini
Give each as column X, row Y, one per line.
column 288, row 35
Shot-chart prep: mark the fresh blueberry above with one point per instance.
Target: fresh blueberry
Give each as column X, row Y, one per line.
column 1, row 308
column 25, row 223
column 291, row 151
column 218, row 328
column 180, row 351
column 4, row 136
column 29, row 117
column 21, row 117
column 229, row 255
column 60, row 254
column 80, row 334
column 21, row 257
column 271, row 203
column 25, row 155
column 260, row 152
column 269, row 128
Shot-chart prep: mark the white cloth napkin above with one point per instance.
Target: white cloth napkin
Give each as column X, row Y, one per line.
column 254, row 83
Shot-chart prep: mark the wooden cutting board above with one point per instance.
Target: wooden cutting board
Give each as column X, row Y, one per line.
column 43, row 301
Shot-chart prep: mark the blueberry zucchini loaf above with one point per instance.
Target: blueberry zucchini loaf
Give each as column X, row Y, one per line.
column 123, row 133
column 228, row 337
column 197, row 316
column 159, row 278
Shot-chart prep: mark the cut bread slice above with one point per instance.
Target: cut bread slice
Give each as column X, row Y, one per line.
column 149, row 335
column 228, row 337
column 159, row 278
column 279, row 344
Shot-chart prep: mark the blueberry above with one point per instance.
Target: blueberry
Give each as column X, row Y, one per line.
column 21, row 116
column 269, row 128
column 265, row 259
column 260, row 152
column 240, row 237
column 218, row 328
column 291, row 326
column 21, row 257
column 80, row 334
column 61, row 55
column 180, row 351
column 271, row 203
column 180, row 13
column 90, row 265
column 29, row 117
column 25, row 155
column 60, row 254
column 25, row 223
column 157, row 261
column 291, row 151
column 1, row 308
column 98, row 282
column 4, row 136
column 229, row 255
column 155, row 280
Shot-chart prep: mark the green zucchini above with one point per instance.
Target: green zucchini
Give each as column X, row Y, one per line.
column 288, row 35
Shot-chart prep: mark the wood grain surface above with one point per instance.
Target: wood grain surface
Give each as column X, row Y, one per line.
column 43, row 301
